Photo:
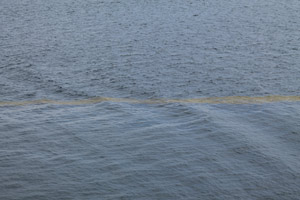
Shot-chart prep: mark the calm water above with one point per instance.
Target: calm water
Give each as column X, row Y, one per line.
column 72, row 50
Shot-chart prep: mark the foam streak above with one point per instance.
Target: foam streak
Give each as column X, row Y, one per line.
column 209, row 100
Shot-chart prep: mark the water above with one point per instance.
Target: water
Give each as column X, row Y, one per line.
column 138, row 99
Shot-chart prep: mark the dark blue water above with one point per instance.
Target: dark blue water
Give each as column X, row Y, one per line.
column 71, row 50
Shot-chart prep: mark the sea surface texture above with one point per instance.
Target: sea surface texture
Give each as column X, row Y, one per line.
column 149, row 99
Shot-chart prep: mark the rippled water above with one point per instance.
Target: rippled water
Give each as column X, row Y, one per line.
column 140, row 99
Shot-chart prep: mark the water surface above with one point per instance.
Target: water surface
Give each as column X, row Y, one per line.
column 149, row 99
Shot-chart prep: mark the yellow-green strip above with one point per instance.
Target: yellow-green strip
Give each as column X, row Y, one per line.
column 209, row 100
